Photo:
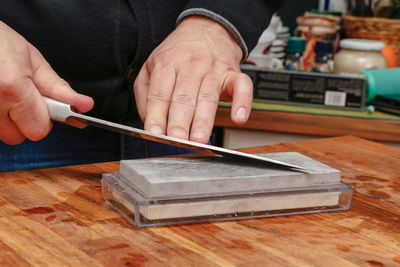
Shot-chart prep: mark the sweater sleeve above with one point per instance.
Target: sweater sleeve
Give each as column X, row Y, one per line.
column 245, row 20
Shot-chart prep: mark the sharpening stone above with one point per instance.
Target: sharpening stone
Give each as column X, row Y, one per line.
column 164, row 177
column 167, row 191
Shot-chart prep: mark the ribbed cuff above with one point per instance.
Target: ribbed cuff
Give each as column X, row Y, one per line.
column 220, row 19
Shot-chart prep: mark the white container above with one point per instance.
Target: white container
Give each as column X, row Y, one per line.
column 264, row 42
column 357, row 55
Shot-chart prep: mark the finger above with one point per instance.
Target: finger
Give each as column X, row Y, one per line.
column 207, row 103
column 30, row 114
column 240, row 87
column 162, row 82
column 141, row 89
column 51, row 85
column 183, row 103
column 9, row 132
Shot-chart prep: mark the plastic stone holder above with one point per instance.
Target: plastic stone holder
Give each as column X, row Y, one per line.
column 166, row 191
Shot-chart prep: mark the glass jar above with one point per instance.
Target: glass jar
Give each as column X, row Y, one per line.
column 357, row 55
column 294, row 53
column 323, row 57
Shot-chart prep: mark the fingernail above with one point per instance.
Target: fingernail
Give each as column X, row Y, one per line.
column 198, row 134
column 241, row 114
column 156, row 129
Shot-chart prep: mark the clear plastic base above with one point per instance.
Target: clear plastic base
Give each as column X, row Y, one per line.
column 149, row 212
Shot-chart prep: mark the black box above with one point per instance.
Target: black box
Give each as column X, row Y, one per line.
column 347, row 91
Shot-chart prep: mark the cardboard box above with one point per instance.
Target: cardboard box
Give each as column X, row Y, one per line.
column 345, row 91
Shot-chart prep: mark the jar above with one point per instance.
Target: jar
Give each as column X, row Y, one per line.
column 357, row 55
column 323, row 57
column 294, row 53
column 316, row 26
column 313, row 34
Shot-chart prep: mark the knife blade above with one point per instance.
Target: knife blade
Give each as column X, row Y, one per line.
column 63, row 112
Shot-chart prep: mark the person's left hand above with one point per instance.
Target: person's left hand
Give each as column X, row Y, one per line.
column 179, row 86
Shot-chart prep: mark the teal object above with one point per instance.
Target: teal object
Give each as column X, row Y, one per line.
column 296, row 45
column 383, row 82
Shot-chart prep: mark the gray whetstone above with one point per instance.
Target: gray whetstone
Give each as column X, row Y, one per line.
column 191, row 176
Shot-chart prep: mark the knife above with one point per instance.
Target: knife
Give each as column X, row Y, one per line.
column 63, row 112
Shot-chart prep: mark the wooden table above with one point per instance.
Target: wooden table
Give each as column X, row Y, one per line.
column 57, row 217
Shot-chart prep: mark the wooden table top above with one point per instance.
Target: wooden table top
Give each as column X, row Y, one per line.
column 314, row 124
column 57, row 217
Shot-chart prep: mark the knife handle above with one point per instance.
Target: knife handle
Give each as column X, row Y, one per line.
column 62, row 112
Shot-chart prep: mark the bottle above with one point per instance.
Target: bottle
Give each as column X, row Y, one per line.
column 294, row 53
column 323, row 56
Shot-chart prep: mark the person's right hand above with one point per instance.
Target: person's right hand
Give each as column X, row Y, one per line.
column 24, row 77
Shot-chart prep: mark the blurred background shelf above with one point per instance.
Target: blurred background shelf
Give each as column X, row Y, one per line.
column 274, row 123
column 271, row 123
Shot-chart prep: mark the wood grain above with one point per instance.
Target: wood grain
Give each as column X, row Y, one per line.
column 312, row 124
column 57, row 217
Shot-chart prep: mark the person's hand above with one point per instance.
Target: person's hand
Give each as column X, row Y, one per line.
column 24, row 77
column 179, row 86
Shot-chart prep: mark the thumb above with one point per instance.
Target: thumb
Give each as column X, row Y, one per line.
column 239, row 87
column 51, row 85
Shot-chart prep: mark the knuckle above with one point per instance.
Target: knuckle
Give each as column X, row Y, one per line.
column 246, row 84
column 8, row 87
column 164, row 59
column 209, row 96
column 158, row 96
column 62, row 83
column 195, row 61
column 248, row 93
column 195, row 58
column 245, row 78
column 183, row 98
column 39, row 133
column 141, row 83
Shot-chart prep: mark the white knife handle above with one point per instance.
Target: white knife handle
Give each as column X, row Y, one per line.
column 62, row 112
column 58, row 111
